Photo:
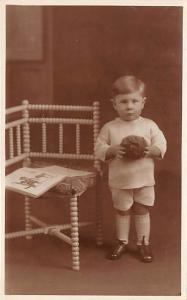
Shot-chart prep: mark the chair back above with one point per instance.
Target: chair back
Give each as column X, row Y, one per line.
column 52, row 131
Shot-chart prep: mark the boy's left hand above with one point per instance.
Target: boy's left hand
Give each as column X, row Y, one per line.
column 152, row 151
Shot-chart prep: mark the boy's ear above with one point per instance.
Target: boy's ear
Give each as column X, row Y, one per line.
column 113, row 102
column 144, row 100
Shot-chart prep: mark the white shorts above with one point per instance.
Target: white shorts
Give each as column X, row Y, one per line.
column 123, row 199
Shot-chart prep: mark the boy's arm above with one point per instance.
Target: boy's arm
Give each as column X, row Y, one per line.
column 153, row 152
column 102, row 143
column 103, row 150
column 115, row 151
column 158, row 145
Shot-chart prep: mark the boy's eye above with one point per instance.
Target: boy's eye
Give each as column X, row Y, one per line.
column 124, row 101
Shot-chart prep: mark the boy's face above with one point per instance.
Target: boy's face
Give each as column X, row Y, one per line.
column 129, row 106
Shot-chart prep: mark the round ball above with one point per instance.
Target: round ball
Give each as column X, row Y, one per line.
column 134, row 146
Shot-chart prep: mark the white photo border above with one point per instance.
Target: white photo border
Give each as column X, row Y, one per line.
column 177, row 3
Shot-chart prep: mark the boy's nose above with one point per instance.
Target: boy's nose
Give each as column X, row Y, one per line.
column 129, row 105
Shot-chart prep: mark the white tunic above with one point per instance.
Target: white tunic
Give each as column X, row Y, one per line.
column 125, row 173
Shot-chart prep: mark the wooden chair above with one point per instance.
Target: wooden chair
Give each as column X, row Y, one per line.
column 21, row 148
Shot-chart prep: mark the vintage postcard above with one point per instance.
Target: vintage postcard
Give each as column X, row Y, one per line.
column 79, row 78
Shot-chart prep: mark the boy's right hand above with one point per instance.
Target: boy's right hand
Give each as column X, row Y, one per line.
column 117, row 151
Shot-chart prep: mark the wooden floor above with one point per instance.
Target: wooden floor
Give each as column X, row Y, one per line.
column 43, row 266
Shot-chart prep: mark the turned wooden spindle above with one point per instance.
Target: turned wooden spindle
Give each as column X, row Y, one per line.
column 77, row 138
column 99, row 209
column 97, row 166
column 61, row 135
column 26, row 128
column 96, row 128
column 61, row 120
column 11, row 143
column 56, row 107
column 74, row 233
column 28, row 225
column 18, row 139
column 26, row 162
column 44, row 138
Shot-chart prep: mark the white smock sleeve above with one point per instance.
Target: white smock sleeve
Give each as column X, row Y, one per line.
column 158, row 139
column 102, row 143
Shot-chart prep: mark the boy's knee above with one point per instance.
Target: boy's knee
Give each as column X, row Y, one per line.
column 140, row 209
column 123, row 212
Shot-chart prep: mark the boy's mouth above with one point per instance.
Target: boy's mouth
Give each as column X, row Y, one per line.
column 130, row 113
column 129, row 116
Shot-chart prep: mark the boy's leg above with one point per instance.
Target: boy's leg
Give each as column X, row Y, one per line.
column 122, row 225
column 122, row 232
column 145, row 198
column 142, row 225
column 122, row 201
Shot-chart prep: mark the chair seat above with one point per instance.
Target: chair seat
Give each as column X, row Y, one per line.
column 76, row 185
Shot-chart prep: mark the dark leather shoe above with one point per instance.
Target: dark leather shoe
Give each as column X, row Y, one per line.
column 145, row 253
column 117, row 251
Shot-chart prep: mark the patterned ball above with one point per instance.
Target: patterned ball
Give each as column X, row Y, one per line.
column 134, row 146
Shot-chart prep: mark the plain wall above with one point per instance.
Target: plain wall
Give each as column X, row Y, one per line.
column 95, row 45
column 85, row 49
column 29, row 67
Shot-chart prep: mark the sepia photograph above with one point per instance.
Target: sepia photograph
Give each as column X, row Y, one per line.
column 93, row 125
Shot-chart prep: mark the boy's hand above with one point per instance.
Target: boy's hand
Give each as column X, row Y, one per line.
column 115, row 151
column 152, row 151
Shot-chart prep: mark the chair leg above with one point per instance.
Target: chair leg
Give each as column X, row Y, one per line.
column 74, row 233
column 99, row 206
column 28, row 225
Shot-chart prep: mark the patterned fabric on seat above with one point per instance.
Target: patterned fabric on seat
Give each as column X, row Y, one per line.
column 76, row 185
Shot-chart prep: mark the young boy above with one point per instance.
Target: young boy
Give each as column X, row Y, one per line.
column 131, row 181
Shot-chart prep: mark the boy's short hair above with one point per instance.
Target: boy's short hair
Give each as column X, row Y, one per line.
column 128, row 84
